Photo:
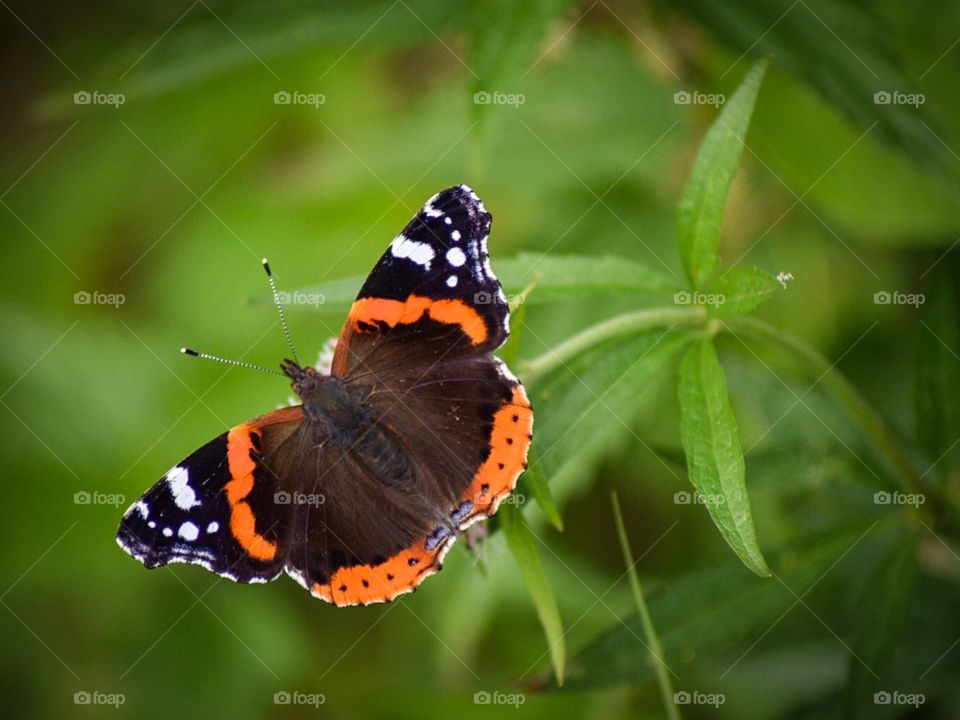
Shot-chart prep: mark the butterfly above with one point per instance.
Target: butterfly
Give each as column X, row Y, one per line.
column 417, row 432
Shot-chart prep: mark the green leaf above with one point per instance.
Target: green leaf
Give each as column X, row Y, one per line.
column 844, row 50
column 715, row 611
column 881, row 616
column 740, row 290
column 586, row 408
column 518, row 319
column 535, row 481
column 649, row 630
column 524, row 548
column 700, row 213
column 557, row 277
column 938, row 367
column 714, row 455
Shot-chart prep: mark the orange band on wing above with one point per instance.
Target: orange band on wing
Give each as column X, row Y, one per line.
column 363, row 584
column 242, row 521
column 509, row 442
column 406, row 312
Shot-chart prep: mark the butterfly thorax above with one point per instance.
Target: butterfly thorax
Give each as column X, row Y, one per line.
column 329, row 402
column 335, row 411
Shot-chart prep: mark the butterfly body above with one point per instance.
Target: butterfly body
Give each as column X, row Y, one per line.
column 417, row 432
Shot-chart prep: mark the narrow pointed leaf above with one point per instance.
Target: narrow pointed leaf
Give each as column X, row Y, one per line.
column 714, row 455
column 700, row 213
column 523, row 546
column 740, row 290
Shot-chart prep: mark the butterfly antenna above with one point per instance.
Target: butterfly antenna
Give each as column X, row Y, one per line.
column 225, row 361
column 279, row 305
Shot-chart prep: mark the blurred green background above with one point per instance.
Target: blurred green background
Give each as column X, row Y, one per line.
column 171, row 198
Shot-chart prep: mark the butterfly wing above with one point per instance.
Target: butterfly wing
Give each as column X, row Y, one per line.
column 221, row 507
column 433, row 286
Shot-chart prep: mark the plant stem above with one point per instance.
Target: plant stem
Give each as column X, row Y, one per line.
column 631, row 322
column 824, row 371
column 656, row 650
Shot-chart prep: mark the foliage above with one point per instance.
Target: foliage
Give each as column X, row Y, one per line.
column 734, row 284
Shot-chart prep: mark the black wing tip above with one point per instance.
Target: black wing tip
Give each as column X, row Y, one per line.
column 458, row 200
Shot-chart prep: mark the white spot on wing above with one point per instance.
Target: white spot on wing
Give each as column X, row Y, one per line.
column 188, row 531
column 178, row 482
column 418, row 252
column 429, row 210
column 213, row 527
column 167, row 532
column 455, row 235
column 141, row 507
column 456, row 257
column 452, row 281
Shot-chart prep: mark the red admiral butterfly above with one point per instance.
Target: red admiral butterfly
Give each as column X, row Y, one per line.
column 417, row 432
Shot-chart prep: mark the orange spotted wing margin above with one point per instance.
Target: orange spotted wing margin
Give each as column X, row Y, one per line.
column 202, row 511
